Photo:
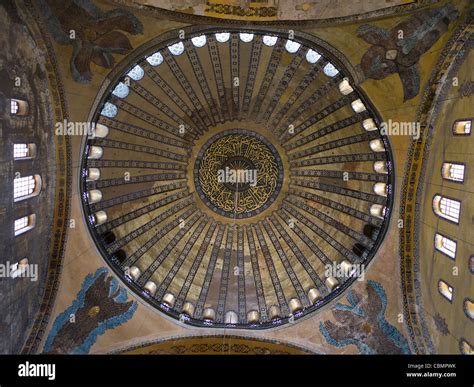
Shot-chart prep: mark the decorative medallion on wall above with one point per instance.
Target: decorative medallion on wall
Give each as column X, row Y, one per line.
column 249, row 173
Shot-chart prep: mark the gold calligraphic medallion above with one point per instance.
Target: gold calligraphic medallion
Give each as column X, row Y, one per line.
column 238, row 173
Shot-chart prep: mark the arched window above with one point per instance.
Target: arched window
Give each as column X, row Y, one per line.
column 169, row 300
column 314, row 295
column 177, row 48
column 295, row 305
column 292, row 46
column 24, row 224
column 26, row 187
column 358, row 249
column 109, row 237
column 446, row 208
column 245, row 37
column 378, row 210
column 137, row 73
column 24, row 151
column 471, row 264
column 18, row 107
column 345, row 87
column 358, row 106
column 274, row 312
column 222, row 37
column 94, row 196
column 100, row 217
column 150, row 288
column 462, row 127
column 465, row 347
column 312, row 56
column 208, row 314
column 370, row 231
column 453, row 172
column 445, row 245
column 14, row 107
column 121, row 90
column 92, row 174
column 269, row 41
column 330, row 70
column 100, row 131
column 253, row 317
column 132, row 272
column 95, row 152
column 469, row 308
column 199, row 41
column 445, row 290
column 155, row 59
column 17, row 269
column 381, row 167
column 231, row 317
column 109, row 110
column 119, row 255
column 369, row 124
column 381, row 189
column 377, row 145
column 332, row 283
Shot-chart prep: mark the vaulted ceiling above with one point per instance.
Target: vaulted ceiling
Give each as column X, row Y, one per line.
column 141, row 248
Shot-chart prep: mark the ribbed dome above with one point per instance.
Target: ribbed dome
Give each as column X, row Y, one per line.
column 231, row 172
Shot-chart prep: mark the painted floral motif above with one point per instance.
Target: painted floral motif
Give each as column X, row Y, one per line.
column 362, row 323
column 101, row 304
column 95, row 35
column 399, row 50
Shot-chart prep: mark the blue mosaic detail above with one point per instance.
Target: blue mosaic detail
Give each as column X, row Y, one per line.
column 110, row 323
column 60, row 341
column 113, row 286
column 357, row 324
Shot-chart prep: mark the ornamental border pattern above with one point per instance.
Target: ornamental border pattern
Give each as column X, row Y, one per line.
column 162, row 13
column 63, row 182
column 449, row 61
column 224, row 337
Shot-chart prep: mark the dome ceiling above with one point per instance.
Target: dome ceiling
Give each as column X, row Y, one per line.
column 236, row 178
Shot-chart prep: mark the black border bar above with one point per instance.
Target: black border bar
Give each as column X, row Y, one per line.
column 228, row 369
